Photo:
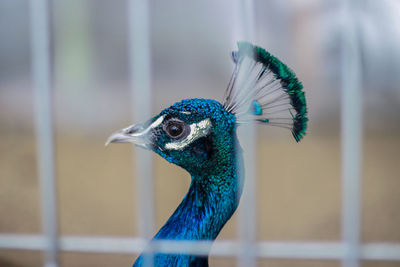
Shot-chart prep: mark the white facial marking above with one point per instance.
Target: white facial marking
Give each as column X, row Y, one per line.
column 197, row 130
column 157, row 122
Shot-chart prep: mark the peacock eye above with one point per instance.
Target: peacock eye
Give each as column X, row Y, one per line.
column 176, row 129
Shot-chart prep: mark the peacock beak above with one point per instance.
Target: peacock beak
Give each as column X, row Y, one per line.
column 134, row 134
column 137, row 134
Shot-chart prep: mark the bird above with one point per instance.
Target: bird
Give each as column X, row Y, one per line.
column 200, row 136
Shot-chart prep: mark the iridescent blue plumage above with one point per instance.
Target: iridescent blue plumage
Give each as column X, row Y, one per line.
column 199, row 135
column 212, row 163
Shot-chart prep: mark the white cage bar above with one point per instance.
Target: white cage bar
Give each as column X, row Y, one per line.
column 265, row 250
column 350, row 251
column 244, row 30
column 351, row 134
column 42, row 83
column 140, row 74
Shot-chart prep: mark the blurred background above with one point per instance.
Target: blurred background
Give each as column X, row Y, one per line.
column 299, row 185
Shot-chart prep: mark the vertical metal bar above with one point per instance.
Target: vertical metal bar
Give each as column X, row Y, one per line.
column 245, row 30
column 41, row 64
column 140, row 70
column 351, row 134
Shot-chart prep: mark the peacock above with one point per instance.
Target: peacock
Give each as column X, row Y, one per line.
column 199, row 135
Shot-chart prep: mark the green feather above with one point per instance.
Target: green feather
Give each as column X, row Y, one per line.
column 289, row 82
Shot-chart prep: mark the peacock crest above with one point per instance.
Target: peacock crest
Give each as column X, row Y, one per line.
column 265, row 90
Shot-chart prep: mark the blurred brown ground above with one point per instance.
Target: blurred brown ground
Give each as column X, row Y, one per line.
column 298, row 198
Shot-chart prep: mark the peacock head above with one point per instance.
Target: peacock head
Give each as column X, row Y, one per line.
column 196, row 134
column 200, row 135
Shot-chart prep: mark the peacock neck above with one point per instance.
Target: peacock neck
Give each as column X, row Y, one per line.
column 213, row 195
column 212, row 198
column 204, row 210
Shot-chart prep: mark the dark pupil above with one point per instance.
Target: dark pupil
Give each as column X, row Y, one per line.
column 175, row 129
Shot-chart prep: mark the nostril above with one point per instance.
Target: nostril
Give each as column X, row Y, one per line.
column 134, row 129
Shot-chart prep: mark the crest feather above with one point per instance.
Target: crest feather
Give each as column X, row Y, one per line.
column 265, row 90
